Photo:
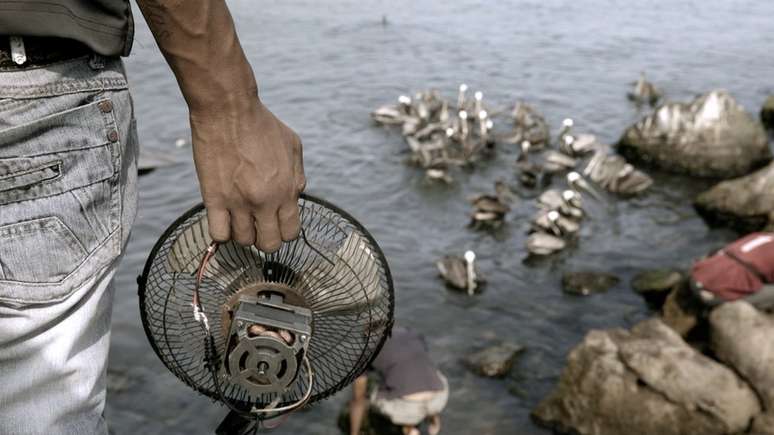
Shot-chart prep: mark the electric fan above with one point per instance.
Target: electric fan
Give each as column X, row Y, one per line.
column 264, row 333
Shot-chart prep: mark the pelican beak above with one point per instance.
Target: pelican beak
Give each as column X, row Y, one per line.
column 576, row 181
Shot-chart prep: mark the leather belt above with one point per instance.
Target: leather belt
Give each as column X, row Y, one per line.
column 40, row 51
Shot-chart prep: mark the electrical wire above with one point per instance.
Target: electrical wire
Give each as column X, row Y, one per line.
column 211, row 357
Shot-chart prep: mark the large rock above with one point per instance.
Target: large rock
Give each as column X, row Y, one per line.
column 495, row 361
column 763, row 425
column 647, row 381
column 745, row 203
column 657, row 280
column 767, row 112
column 587, row 282
column 743, row 338
column 710, row 137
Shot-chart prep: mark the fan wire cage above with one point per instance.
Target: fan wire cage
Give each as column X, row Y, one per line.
column 335, row 265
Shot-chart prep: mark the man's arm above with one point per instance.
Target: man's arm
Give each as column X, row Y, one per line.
column 249, row 163
column 358, row 405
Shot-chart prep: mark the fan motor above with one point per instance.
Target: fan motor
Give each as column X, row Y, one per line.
column 268, row 330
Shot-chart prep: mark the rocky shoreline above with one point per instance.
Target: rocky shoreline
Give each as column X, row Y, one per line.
column 650, row 380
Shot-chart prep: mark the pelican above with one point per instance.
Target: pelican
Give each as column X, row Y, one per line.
column 528, row 125
column 470, row 257
column 461, row 96
column 568, row 203
column 530, row 173
column 558, row 162
column 388, row 115
column 573, row 204
column 583, row 144
column 551, row 221
column 504, row 192
column 567, row 124
column 614, row 174
column 488, row 209
column 540, row 243
column 577, row 183
column 478, row 97
column 438, row 174
column 460, row 272
column 463, row 115
column 644, row 92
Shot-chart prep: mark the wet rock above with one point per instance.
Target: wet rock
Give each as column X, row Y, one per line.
column 645, row 381
column 495, row 361
column 588, row 282
column 763, row 424
column 657, row 281
column 743, row 338
column 767, row 112
column 710, row 137
column 680, row 311
column 745, row 203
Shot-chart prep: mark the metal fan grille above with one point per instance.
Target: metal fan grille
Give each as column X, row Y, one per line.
column 336, row 265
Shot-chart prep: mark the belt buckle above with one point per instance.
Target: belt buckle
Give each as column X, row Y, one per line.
column 18, row 53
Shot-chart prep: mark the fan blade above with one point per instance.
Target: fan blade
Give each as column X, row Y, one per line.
column 331, row 284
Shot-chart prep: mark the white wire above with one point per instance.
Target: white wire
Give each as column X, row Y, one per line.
column 297, row 404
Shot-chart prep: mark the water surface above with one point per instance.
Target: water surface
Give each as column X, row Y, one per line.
column 322, row 66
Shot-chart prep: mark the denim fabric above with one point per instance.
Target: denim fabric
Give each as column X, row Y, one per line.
column 68, row 172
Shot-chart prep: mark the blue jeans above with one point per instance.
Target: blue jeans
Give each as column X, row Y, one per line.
column 68, row 175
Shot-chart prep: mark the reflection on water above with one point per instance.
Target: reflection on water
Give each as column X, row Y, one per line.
column 323, row 66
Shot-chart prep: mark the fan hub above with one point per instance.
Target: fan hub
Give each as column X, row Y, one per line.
column 268, row 336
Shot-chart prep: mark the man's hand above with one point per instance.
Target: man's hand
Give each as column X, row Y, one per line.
column 251, row 172
column 249, row 163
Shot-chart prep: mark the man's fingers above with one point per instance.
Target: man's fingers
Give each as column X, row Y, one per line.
column 219, row 224
column 298, row 168
column 242, row 229
column 268, row 238
column 288, row 221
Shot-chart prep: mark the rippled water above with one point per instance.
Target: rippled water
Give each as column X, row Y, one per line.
column 322, row 66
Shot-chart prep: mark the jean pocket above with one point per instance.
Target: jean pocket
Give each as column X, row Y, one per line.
column 60, row 201
column 38, row 248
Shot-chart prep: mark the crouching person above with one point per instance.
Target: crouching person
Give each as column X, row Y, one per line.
column 742, row 270
column 409, row 389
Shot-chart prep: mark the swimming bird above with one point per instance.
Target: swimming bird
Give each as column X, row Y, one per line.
column 644, row 92
column 578, row 184
column 557, row 162
column 388, row 115
column 541, row 243
column 460, row 272
column 531, row 174
column 488, row 210
column 566, row 130
column 461, row 96
column 615, row 175
column 528, row 125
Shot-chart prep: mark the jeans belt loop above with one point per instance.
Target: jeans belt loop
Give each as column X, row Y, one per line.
column 96, row 62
